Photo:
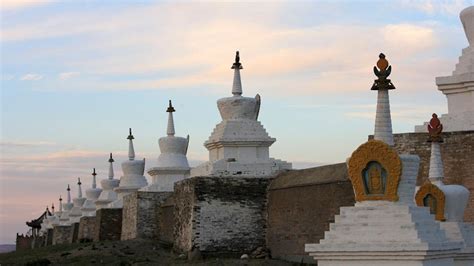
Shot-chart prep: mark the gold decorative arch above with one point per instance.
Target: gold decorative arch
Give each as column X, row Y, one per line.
column 382, row 154
column 428, row 189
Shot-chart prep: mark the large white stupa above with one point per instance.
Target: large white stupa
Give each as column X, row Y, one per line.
column 459, row 87
column 172, row 165
column 239, row 145
column 64, row 219
column 108, row 194
column 133, row 178
column 92, row 194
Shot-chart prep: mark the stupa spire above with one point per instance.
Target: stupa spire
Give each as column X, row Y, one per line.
column 131, row 150
column 79, row 189
column 237, row 84
column 60, row 204
column 68, row 194
column 436, row 172
column 94, row 181
column 111, row 166
column 170, row 130
column 52, row 207
column 383, row 120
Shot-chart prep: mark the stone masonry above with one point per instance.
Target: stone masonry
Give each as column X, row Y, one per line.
column 86, row 228
column 62, row 234
column 225, row 215
column 166, row 222
column 141, row 214
column 457, row 153
column 295, row 199
column 108, row 224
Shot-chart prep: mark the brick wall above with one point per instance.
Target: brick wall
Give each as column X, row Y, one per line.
column 457, row 152
column 86, row 228
column 49, row 237
column 301, row 205
column 108, row 224
column 75, row 232
column 141, row 214
column 220, row 214
column 166, row 222
column 23, row 242
column 62, row 234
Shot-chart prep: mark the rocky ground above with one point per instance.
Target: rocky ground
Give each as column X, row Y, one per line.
column 133, row 252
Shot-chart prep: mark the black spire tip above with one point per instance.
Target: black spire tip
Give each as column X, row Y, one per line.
column 130, row 136
column 170, row 108
column 79, row 181
column 237, row 63
column 68, row 188
column 52, row 206
column 111, row 160
column 60, row 198
column 93, row 172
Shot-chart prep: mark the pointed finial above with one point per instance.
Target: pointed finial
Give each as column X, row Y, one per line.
column 79, row 181
column 111, row 160
column 130, row 136
column 60, row 198
column 94, row 173
column 434, row 129
column 237, row 63
column 52, row 206
column 68, row 188
column 170, row 108
column 47, row 208
column 382, row 71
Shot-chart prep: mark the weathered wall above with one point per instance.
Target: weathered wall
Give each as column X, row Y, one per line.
column 457, row 152
column 166, row 222
column 49, row 237
column 141, row 214
column 23, row 242
column 220, row 214
column 62, row 234
column 108, row 224
column 86, row 229
column 301, row 205
column 75, row 232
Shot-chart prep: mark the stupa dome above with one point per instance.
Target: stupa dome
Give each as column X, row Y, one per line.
column 467, row 19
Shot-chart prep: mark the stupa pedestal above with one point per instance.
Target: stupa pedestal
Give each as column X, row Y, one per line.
column 239, row 145
column 384, row 227
column 76, row 211
column 459, row 87
column 108, row 185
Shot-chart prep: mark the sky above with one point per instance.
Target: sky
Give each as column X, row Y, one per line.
column 75, row 75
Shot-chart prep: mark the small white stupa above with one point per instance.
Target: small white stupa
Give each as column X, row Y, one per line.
column 133, row 178
column 239, row 145
column 76, row 212
column 384, row 227
column 92, row 194
column 446, row 202
column 108, row 194
column 57, row 215
column 172, row 163
column 64, row 219
column 459, row 87
column 52, row 219
column 45, row 223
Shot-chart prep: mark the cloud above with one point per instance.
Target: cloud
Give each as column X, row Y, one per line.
column 6, row 5
column 31, row 76
column 432, row 7
column 15, row 144
column 68, row 75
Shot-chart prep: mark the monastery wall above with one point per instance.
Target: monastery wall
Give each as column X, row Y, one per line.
column 23, row 242
column 86, row 228
column 108, row 224
column 301, row 204
column 221, row 215
column 62, row 234
column 166, row 222
column 141, row 214
column 457, row 153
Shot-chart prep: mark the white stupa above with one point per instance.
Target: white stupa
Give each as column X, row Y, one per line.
column 459, row 87
column 451, row 200
column 64, row 219
column 45, row 224
column 92, row 194
column 239, row 145
column 57, row 215
column 133, row 178
column 384, row 227
column 76, row 211
column 172, row 163
column 52, row 219
column 108, row 194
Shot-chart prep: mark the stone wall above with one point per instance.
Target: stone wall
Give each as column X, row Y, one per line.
column 220, row 214
column 62, row 234
column 167, row 221
column 49, row 237
column 108, row 224
column 23, row 242
column 301, row 205
column 75, row 232
column 141, row 214
column 86, row 228
column 457, row 152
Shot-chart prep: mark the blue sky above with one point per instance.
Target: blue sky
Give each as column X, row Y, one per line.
column 75, row 75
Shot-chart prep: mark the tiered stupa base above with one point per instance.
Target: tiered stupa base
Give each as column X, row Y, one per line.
column 464, row 232
column 164, row 178
column 258, row 168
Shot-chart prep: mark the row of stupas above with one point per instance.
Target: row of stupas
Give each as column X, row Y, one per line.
column 238, row 146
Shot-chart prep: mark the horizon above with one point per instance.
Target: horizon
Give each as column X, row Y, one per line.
column 76, row 76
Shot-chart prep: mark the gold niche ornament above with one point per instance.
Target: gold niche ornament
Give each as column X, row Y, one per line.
column 375, row 169
column 431, row 196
